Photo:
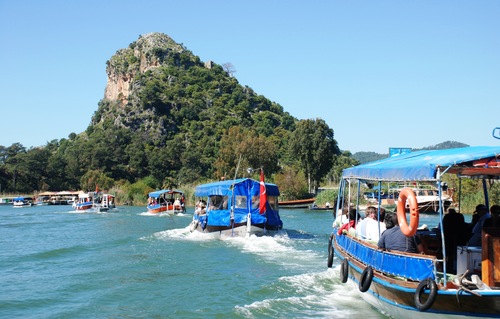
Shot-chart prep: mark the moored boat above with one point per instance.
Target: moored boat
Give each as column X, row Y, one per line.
column 237, row 208
column 166, row 201
column 20, row 202
column 296, row 203
column 430, row 285
column 428, row 197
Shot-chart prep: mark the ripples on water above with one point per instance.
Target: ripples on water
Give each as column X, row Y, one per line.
column 56, row 263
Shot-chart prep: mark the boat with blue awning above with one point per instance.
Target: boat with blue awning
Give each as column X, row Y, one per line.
column 240, row 207
column 21, row 201
column 446, row 282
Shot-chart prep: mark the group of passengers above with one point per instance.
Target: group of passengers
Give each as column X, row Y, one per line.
column 380, row 227
column 456, row 231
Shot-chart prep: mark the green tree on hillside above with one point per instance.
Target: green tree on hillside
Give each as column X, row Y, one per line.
column 256, row 151
column 314, row 146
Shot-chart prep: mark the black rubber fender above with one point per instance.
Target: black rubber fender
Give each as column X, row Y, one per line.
column 344, row 270
column 366, row 278
column 330, row 252
column 422, row 286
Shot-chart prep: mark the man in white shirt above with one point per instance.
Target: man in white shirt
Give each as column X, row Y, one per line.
column 370, row 228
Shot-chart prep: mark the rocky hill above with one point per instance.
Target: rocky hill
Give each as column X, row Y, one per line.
column 157, row 89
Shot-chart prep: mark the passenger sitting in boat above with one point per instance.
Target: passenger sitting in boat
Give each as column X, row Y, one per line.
column 482, row 214
column 350, row 225
column 455, row 234
column 177, row 203
column 370, row 228
column 200, row 207
column 494, row 220
column 341, row 217
column 394, row 239
column 389, row 220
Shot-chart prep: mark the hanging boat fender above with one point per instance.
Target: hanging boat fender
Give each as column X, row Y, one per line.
column 366, row 279
column 408, row 194
column 425, row 284
column 330, row 252
column 344, row 270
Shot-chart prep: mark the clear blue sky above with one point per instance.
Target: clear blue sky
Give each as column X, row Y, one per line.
column 382, row 74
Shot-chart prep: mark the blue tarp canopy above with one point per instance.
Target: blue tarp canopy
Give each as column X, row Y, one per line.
column 243, row 188
column 424, row 165
column 157, row 194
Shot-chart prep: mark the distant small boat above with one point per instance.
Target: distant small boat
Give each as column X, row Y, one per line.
column 427, row 197
column 297, row 203
column 94, row 202
column 167, row 201
column 312, row 207
column 20, row 202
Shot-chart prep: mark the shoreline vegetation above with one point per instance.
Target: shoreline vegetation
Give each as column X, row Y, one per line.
column 132, row 195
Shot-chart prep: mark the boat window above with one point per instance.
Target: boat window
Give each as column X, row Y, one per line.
column 217, row 202
column 273, row 202
column 241, row 201
column 255, row 201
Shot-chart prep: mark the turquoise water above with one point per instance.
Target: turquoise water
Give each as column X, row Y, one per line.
column 56, row 263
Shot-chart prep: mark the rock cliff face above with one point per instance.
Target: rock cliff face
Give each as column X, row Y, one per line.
column 147, row 53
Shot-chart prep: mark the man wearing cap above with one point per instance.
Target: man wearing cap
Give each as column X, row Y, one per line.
column 481, row 214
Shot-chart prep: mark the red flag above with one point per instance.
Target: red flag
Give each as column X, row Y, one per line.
column 263, row 195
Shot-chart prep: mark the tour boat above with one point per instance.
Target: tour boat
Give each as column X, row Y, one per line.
column 411, row 285
column 166, row 201
column 237, row 208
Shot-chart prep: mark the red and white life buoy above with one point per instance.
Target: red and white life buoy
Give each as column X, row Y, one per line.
column 404, row 195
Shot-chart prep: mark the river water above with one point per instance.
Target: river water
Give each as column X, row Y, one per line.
column 57, row 263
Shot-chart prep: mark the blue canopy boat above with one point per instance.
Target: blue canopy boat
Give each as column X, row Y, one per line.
column 22, row 202
column 238, row 207
column 411, row 285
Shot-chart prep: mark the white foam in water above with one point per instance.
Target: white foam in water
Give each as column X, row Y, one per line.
column 154, row 214
column 278, row 249
column 318, row 295
column 183, row 233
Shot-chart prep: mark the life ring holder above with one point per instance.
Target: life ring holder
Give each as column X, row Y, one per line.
column 407, row 194
column 344, row 270
column 366, row 279
column 425, row 284
column 330, row 252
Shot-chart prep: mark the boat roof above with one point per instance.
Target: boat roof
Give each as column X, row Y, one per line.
column 426, row 165
column 223, row 188
column 157, row 194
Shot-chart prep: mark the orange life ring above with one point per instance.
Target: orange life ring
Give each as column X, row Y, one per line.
column 407, row 194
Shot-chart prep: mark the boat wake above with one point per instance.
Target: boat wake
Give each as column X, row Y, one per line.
column 308, row 295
